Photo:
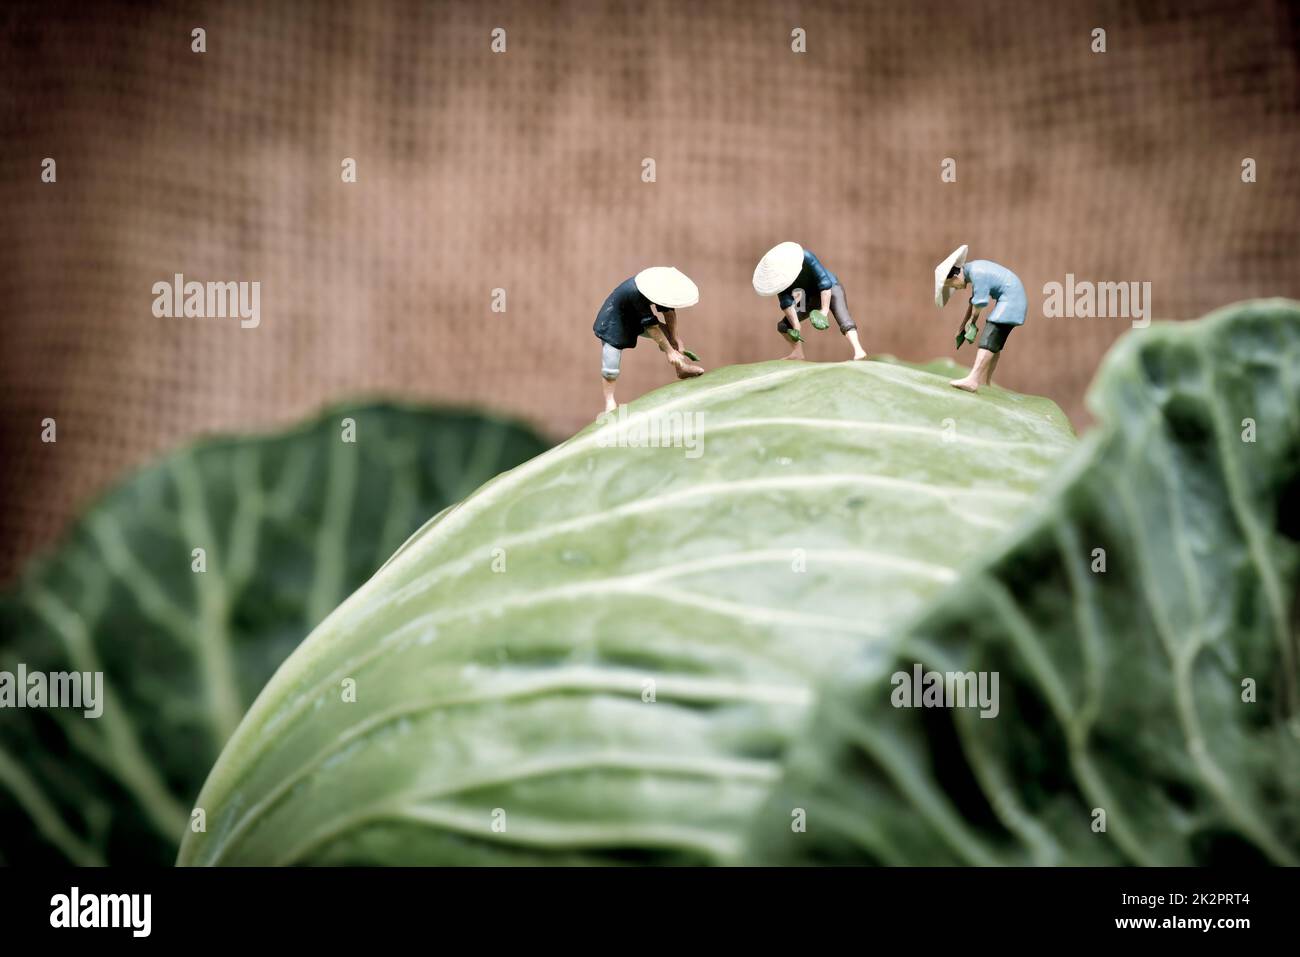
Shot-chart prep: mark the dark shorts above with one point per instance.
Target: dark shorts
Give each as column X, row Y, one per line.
column 995, row 336
column 839, row 310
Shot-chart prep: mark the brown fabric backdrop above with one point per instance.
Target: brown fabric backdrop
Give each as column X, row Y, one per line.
column 522, row 170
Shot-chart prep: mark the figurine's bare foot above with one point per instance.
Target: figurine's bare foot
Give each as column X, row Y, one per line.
column 859, row 356
column 795, row 353
column 966, row 385
column 610, row 405
column 686, row 370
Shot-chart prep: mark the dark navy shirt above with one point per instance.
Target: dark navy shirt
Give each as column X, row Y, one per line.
column 623, row 316
column 812, row 277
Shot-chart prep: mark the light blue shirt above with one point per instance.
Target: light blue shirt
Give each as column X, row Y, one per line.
column 988, row 281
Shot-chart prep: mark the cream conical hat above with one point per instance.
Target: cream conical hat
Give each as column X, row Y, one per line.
column 667, row 287
column 778, row 268
column 942, row 292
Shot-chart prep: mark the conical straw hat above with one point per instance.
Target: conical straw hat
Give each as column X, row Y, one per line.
column 778, row 268
column 942, row 292
column 667, row 287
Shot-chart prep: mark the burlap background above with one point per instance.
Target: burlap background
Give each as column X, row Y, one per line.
column 523, row 170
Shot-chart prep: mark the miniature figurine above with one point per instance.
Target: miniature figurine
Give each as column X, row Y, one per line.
column 987, row 280
column 645, row 306
column 788, row 269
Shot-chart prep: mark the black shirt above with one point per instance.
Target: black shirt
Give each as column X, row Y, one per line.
column 625, row 314
column 813, row 276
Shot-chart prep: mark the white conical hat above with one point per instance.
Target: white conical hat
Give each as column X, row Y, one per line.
column 667, row 287
column 942, row 292
column 778, row 268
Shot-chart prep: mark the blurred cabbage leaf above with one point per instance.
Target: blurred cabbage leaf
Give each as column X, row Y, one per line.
column 289, row 525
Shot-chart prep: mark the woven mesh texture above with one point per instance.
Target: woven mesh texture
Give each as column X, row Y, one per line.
column 523, row 170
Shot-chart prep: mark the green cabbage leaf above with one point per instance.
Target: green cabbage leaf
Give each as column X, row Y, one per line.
column 289, row 524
